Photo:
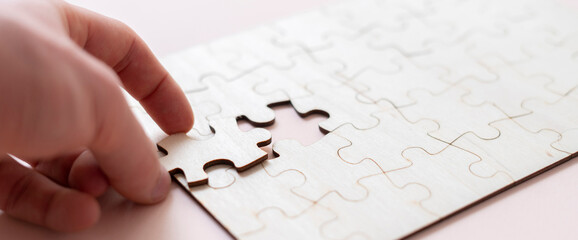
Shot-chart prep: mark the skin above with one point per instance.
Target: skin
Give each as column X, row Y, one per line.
column 63, row 112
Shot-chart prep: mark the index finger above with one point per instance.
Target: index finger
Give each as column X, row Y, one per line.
column 140, row 72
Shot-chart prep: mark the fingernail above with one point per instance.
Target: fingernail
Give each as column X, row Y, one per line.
column 163, row 186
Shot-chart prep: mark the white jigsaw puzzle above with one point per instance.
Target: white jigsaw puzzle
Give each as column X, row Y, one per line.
column 432, row 106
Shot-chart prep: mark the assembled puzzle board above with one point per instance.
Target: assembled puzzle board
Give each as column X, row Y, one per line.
column 433, row 106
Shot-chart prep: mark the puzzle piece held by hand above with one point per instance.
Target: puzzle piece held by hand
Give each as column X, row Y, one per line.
column 191, row 155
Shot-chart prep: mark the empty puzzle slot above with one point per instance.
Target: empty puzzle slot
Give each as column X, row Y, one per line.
column 290, row 125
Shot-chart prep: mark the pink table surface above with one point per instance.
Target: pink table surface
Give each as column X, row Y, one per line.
column 544, row 207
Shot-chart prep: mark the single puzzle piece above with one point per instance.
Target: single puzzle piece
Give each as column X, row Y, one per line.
column 559, row 62
column 455, row 117
column 457, row 60
column 448, row 177
column 229, row 145
column 190, row 66
column 362, row 15
column 516, row 152
column 511, row 47
column 405, row 40
column 385, row 142
column 324, row 170
column 254, row 48
column 559, row 115
column 505, row 93
column 342, row 105
column 395, row 86
column 236, row 98
column 388, row 212
column 469, row 17
column 294, row 80
column 357, row 55
column 253, row 191
column 319, row 27
column 559, row 16
column 280, row 226
column 569, row 142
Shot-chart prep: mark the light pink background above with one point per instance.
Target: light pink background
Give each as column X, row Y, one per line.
column 544, row 207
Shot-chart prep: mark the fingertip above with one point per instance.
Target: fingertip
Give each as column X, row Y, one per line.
column 169, row 107
column 182, row 122
column 184, row 112
column 72, row 211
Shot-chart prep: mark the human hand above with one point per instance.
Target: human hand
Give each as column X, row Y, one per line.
column 62, row 111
